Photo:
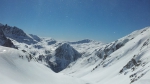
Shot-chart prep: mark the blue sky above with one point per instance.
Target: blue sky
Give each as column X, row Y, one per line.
column 101, row 20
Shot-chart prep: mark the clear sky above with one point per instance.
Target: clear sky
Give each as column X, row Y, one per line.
column 101, row 20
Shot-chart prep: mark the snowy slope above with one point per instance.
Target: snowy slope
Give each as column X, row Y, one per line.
column 129, row 63
column 124, row 61
column 17, row 70
column 46, row 49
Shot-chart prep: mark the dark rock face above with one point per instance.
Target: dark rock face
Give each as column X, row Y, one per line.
column 104, row 52
column 64, row 55
column 18, row 34
column 12, row 30
column 4, row 41
column 129, row 65
column 8, row 43
column 2, row 36
column 67, row 52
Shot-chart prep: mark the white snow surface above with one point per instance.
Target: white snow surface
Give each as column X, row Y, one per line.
column 117, row 68
column 15, row 70
column 99, row 71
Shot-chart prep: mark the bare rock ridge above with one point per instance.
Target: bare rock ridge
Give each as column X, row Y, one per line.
column 18, row 35
column 5, row 41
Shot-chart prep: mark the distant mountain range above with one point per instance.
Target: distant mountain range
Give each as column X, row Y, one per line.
column 124, row 61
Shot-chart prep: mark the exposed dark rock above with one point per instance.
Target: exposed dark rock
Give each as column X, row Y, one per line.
column 67, row 52
column 64, row 55
column 17, row 34
column 129, row 65
column 118, row 46
column 2, row 36
column 8, row 43
column 4, row 41
column 41, row 58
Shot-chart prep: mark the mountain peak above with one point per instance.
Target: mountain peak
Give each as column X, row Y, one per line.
column 64, row 55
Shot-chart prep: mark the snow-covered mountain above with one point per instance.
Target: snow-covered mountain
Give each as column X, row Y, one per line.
column 64, row 55
column 18, row 35
column 16, row 69
column 54, row 54
column 124, row 61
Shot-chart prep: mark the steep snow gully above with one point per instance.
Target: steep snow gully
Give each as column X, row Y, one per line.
column 29, row 59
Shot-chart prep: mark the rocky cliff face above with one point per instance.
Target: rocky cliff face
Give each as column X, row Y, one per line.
column 67, row 52
column 13, row 31
column 17, row 34
column 4, row 41
column 64, row 55
column 2, row 36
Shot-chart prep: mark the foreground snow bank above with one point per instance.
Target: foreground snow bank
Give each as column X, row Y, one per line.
column 17, row 70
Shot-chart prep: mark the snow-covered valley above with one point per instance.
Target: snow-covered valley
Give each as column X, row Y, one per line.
column 16, row 69
column 29, row 59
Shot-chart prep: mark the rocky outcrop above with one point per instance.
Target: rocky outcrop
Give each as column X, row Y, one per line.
column 2, row 36
column 64, row 55
column 8, row 43
column 18, row 34
column 8, row 30
column 4, row 41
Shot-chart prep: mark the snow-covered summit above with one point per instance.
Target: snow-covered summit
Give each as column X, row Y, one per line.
column 126, row 59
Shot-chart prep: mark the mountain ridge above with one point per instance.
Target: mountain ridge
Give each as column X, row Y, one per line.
column 92, row 61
